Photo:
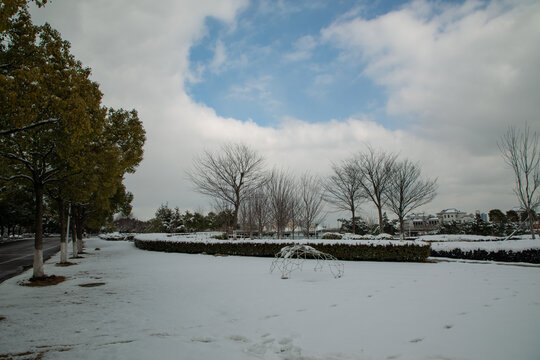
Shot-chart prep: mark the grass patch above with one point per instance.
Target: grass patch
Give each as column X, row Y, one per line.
column 92, row 284
column 27, row 355
column 9, row 356
column 65, row 264
column 44, row 281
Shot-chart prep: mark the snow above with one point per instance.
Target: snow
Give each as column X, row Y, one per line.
column 207, row 239
column 477, row 242
column 459, row 237
column 154, row 305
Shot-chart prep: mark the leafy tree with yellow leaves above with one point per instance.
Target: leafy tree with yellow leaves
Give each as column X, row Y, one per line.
column 56, row 135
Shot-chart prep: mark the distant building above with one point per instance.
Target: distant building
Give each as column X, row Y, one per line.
column 483, row 216
column 420, row 224
column 450, row 216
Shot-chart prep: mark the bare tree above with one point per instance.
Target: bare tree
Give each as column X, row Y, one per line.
column 228, row 175
column 295, row 209
column 246, row 217
column 520, row 151
column 407, row 191
column 376, row 169
column 311, row 201
column 260, row 207
column 281, row 190
column 343, row 188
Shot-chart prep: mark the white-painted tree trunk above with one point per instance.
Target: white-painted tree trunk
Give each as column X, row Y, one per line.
column 38, row 263
column 74, row 242
column 63, row 252
column 64, row 243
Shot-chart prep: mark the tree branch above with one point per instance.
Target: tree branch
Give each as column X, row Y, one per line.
column 28, row 127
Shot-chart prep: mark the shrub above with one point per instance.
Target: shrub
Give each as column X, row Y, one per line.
column 222, row 236
column 409, row 252
column 529, row 256
column 331, row 236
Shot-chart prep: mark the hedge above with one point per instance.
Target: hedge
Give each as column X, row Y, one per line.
column 342, row 251
column 528, row 256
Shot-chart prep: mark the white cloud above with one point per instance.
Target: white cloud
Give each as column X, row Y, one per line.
column 257, row 90
column 459, row 77
column 220, row 57
column 458, row 70
column 303, row 48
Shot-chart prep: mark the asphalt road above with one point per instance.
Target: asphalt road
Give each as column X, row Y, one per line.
column 16, row 256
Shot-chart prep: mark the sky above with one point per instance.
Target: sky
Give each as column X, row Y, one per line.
column 309, row 83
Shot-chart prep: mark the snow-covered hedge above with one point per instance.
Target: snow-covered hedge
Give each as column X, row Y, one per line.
column 349, row 236
column 458, row 238
column 116, row 236
column 506, row 251
column 373, row 250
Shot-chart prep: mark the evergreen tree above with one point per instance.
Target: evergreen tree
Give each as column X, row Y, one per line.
column 497, row 216
column 41, row 82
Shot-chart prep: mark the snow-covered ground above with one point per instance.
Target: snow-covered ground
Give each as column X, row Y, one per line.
column 459, row 237
column 476, row 242
column 153, row 305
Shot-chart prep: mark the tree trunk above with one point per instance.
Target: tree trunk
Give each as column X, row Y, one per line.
column 381, row 225
column 235, row 219
column 353, row 222
column 63, row 230
column 531, row 224
column 38, row 240
column 79, row 229
column 74, row 235
column 401, row 229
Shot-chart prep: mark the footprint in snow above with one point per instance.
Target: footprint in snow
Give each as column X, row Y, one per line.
column 417, row 340
column 239, row 338
column 448, row 327
column 203, row 339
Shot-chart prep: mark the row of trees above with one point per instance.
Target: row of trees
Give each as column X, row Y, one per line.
column 382, row 179
column 57, row 141
column 499, row 224
column 169, row 220
column 235, row 176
